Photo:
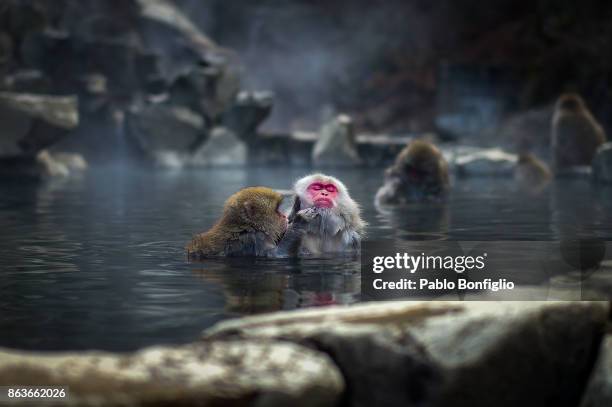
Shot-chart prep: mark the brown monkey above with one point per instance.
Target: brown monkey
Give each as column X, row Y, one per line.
column 420, row 173
column 575, row 133
column 531, row 172
column 324, row 219
column 251, row 225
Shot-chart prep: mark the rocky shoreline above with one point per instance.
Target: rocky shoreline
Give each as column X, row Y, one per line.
column 388, row 353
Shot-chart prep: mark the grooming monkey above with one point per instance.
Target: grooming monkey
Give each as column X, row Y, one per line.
column 324, row 219
column 251, row 225
column 576, row 134
column 419, row 173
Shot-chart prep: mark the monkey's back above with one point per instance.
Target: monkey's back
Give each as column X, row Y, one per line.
column 575, row 138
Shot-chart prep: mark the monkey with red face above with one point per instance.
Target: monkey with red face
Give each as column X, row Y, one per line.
column 324, row 219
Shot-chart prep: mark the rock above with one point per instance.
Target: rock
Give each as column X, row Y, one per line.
column 223, row 148
column 237, row 373
column 524, row 131
column 602, row 163
column 599, row 389
column 162, row 128
column 446, row 353
column 28, row 81
column 50, row 167
column 336, row 146
column 33, row 122
column 74, row 162
column 247, row 112
column 475, row 161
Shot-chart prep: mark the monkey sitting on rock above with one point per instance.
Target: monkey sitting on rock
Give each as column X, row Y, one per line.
column 420, row 173
column 324, row 219
column 251, row 225
column 576, row 134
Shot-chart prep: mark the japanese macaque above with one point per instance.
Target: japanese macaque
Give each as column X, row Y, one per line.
column 530, row 172
column 576, row 134
column 420, row 173
column 251, row 225
column 324, row 219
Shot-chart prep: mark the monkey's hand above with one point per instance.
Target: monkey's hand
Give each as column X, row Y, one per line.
column 309, row 219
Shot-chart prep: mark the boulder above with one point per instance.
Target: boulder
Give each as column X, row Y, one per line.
column 33, row 122
column 247, row 112
column 237, row 373
column 336, row 145
column 475, row 161
column 524, row 131
column 446, row 353
column 162, row 128
column 223, row 148
column 599, row 390
column 602, row 164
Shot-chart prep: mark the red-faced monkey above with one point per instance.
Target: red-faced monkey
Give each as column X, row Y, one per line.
column 251, row 225
column 576, row 134
column 324, row 219
column 420, row 173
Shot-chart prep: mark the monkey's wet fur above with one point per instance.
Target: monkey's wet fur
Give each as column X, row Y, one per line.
column 420, row 173
column 251, row 225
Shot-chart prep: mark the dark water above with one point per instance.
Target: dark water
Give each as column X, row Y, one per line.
column 97, row 262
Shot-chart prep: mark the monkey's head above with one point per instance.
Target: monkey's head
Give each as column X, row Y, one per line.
column 572, row 102
column 257, row 208
column 419, row 161
column 324, row 191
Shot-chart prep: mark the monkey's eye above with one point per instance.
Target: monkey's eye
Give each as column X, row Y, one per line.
column 316, row 187
column 331, row 188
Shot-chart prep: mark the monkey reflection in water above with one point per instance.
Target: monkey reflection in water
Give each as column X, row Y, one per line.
column 324, row 220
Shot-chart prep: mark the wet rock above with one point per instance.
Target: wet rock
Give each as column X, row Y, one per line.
column 74, row 162
column 247, row 112
column 475, row 161
column 525, row 131
column 602, row 164
column 223, row 148
column 237, row 373
column 446, row 353
column 50, row 167
column 336, row 146
column 163, row 128
column 27, row 81
column 599, row 390
column 33, row 122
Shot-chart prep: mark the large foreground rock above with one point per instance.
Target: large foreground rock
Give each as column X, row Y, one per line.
column 31, row 122
column 599, row 391
column 602, row 163
column 235, row 373
column 447, row 353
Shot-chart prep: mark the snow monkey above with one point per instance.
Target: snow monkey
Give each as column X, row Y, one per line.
column 530, row 172
column 251, row 225
column 420, row 173
column 576, row 134
column 324, row 219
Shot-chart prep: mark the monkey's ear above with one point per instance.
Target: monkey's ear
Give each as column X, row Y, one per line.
column 249, row 209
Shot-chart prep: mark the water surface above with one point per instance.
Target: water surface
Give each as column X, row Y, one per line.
column 97, row 262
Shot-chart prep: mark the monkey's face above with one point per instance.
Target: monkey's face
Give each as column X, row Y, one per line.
column 322, row 195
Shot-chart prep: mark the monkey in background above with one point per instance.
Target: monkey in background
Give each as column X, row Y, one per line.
column 420, row 173
column 251, row 225
column 576, row 134
column 324, row 219
column 530, row 172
